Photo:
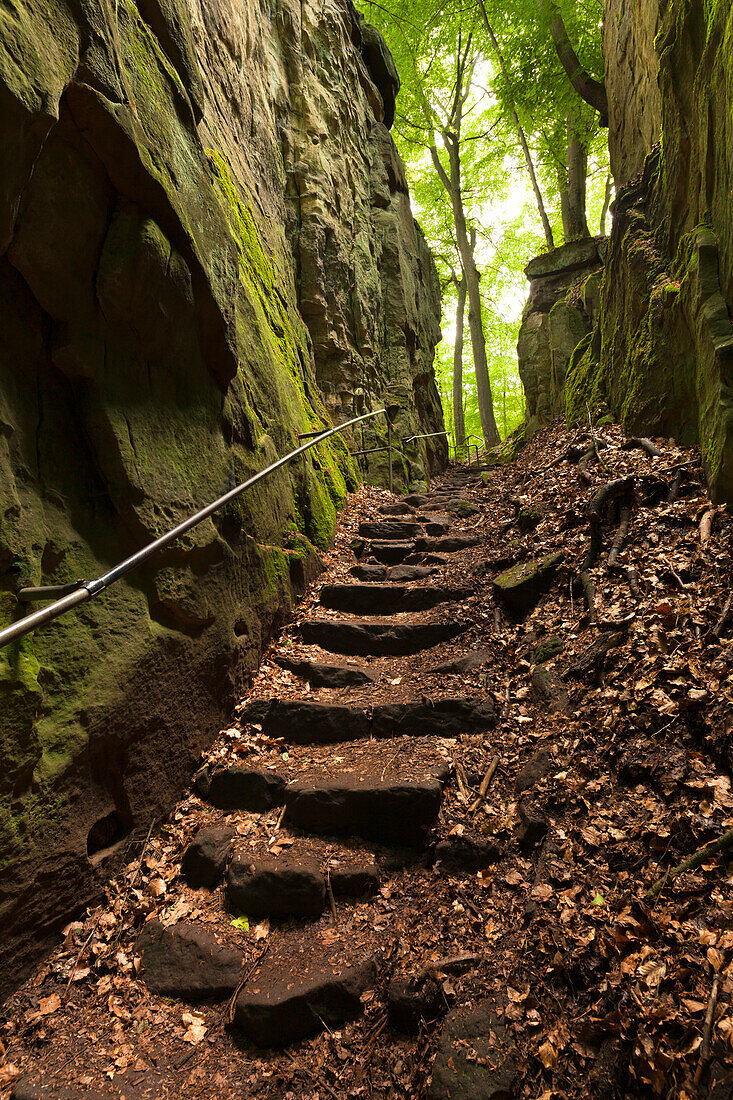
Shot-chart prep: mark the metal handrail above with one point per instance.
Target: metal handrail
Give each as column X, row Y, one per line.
column 427, row 435
column 87, row 590
column 475, row 447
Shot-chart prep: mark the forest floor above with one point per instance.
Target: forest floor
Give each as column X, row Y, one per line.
column 611, row 766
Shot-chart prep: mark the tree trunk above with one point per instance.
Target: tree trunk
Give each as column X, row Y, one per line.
column 572, row 182
column 452, row 185
column 520, row 134
column 592, row 91
column 606, row 203
column 459, row 420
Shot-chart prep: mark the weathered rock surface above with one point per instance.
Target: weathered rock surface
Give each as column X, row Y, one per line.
column 239, row 788
column 662, row 354
column 206, row 246
column 278, row 1008
column 397, row 530
column 391, row 812
column 442, row 717
column 478, row 659
column 328, row 676
column 206, row 857
column 388, row 599
column 462, row 855
column 560, row 311
column 308, row 722
column 283, row 886
column 475, row 1058
column 522, row 586
column 377, row 639
column 187, row 961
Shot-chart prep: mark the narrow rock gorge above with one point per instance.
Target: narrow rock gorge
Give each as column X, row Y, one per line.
column 206, row 247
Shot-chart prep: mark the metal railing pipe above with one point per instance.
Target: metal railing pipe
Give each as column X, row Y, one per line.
column 90, row 589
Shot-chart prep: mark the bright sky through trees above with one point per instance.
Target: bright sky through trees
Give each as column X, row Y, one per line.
column 486, row 107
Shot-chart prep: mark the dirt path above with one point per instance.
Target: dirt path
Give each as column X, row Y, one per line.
column 416, row 863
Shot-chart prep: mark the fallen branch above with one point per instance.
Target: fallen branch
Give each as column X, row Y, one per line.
column 683, row 585
column 707, row 1031
column 725, row 618
column 232, row 1003
column 641, row 443
column 462, row 780
column 706, row 525
column 485, row 784
column 693, row 861
column 675, row 488
column 331, row 898
column 583, row 474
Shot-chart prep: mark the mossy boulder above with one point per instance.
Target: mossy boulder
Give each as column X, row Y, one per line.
column 522, row 586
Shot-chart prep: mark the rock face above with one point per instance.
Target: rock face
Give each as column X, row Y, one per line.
column 564, row 289
column 206, row 246
column 662, row 356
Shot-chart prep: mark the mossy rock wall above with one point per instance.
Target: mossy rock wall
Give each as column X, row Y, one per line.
column 153, row 354
column 560, row 310
column 663, row 354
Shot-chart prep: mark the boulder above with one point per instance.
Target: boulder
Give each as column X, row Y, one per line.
column 205, row 859
column 463, row 855
column 476, row 1056
column 187, row 961
column 522, row 586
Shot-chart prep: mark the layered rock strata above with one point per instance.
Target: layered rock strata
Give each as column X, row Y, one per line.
column 206, row 247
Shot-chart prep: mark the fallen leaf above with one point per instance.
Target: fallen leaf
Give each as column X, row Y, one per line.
column 195, row 1028
column 48, row 1005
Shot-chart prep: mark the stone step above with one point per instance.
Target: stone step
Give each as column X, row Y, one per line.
column 294, row 884
column 377, row 573
column 391, row 553
column 398, row 509
column 378, row 639
column 451, row 544
column 187, row 961
column 390, row 530
column 239, row 788
column 294, row 993
column 315, row 723
column 327, row 676
column 206, row 857
column 362, row 800
column 387, row 599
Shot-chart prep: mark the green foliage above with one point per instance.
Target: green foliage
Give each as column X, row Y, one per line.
column 427, row 37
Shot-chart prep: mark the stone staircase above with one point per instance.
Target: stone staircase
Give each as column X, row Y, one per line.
column 355, row 786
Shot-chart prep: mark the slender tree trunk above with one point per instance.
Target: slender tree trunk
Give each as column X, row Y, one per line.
column 572, row 182
column 452, row 185
column 606, row 203
column 520, row 133
column 592, row 91
column 459, row 420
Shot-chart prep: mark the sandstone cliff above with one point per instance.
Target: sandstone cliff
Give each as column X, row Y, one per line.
column 663, row 355
column 561, row 310
column 206, row 246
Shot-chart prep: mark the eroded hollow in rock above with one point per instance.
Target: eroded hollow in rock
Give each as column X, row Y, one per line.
column 106, row 833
